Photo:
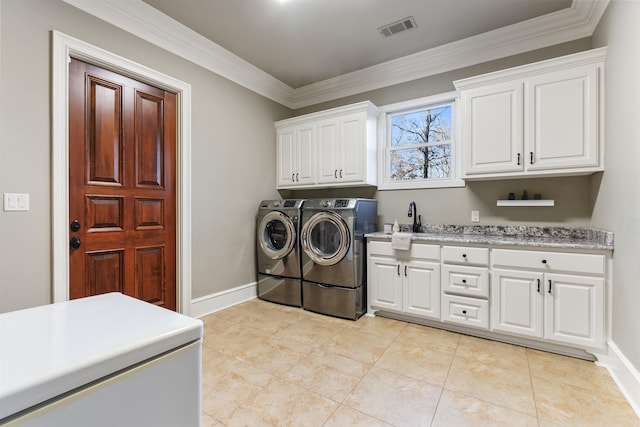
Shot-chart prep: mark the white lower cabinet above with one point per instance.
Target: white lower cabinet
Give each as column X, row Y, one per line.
column 563, row 308
column 465, row 286
column 383, row 284
column 516, row 306
column 465, row 311
column 546, row 296
column 404, row 281
column 421, row 288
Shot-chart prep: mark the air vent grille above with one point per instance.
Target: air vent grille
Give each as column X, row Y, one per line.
column 404, row 24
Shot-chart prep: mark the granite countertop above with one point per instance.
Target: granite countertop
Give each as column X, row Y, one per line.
column 524, row 236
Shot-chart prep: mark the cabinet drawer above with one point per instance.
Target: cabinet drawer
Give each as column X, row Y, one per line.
column 465, row 311
column 463, row 280
column 550, row 261
column 417, row 250
column 463, row 255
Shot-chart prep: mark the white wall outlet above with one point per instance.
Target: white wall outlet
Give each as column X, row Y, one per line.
column 16, row 202
column 475, row 216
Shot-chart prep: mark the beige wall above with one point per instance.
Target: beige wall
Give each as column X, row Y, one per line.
column 227, row 184
column 617, row 201
column 454, row 206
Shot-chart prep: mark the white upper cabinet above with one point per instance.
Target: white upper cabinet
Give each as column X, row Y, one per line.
column 296, row 155
column 492, row 128
column 538, row 119
column 343, row 148
column 561, row 119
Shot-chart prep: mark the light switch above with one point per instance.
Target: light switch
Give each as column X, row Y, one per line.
column 475, row 216
column 16, row 202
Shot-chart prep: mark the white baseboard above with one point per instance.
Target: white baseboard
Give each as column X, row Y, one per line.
column 626, row 376
column 215, row 302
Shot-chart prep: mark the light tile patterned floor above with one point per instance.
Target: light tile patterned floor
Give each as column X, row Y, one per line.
column 270, row 365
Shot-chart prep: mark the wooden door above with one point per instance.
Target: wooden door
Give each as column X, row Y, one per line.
column 122, row 186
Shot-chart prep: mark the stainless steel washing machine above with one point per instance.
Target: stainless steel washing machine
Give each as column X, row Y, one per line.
column 333, row 255
column 278, row 251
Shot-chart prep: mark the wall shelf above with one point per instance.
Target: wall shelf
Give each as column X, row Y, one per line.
column 525, row 203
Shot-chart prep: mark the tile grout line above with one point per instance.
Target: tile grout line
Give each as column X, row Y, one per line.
column 533, row 390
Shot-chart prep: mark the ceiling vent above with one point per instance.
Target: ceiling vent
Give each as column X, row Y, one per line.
column 404, row 24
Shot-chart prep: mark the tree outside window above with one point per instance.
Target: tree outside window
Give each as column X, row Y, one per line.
column 420, row 144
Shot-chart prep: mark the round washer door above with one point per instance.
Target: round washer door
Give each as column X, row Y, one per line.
column 325, row 238
column 276, row 235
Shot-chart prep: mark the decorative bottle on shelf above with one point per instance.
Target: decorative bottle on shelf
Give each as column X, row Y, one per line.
column 525, row 195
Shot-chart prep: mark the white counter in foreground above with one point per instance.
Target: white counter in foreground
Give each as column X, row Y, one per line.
column 104, row 360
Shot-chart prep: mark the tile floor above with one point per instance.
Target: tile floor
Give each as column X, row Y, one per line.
column 271, row 365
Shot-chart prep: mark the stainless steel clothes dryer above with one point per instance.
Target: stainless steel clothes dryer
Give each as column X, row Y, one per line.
column 333, row 255
column 278, row 251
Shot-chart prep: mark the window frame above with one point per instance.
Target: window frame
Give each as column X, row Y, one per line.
column 384, row 143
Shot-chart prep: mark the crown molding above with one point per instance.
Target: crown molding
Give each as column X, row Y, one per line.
column 593, row 56
column 147, row 23
column 578, row 21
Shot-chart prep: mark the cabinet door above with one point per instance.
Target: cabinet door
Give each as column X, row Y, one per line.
column 516, row 302
column 574, row 309
column 328, row 151
column 305, row 154
column 561, row 119
column 493, row 129
column 385, row 283
column 286, row 157
column 351, row 167
column 421, row 288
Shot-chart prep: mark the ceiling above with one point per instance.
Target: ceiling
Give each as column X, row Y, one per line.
column 305, row 52
column 300, row 42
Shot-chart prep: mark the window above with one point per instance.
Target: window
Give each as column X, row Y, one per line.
column 418, row 144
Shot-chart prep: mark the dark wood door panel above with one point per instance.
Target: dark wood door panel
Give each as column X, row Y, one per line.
column 122, row 172
column 105, row 151
column 149, row 214
column 104, row 213
column 149, row 139
column 105, row 272
column 150, row 281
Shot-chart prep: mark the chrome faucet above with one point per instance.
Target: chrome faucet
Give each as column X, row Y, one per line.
column 417, row 220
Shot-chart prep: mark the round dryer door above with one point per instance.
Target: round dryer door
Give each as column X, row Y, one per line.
column 325, row 238
column 276, row 235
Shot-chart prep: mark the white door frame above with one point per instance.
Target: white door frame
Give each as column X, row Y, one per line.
column 64, row 48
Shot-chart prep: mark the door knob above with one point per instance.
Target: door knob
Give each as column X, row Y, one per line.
column 75, row 225
column 75, row 243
